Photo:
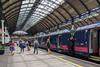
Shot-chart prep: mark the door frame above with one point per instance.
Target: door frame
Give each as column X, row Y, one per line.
column 98, row 41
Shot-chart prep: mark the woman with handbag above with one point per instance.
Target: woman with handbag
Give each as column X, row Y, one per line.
column 12, row 47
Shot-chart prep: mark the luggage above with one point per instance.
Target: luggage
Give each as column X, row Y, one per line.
column 2, row 50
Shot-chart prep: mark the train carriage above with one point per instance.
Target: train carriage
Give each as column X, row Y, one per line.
column 82, row 42
column 87, row 41
column 42, row 41
column 64, row 42
column 54, row 42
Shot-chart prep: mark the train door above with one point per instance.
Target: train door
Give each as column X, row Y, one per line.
column 95, row 43
column 99, row 41
column 54, row 40
column 82, row 42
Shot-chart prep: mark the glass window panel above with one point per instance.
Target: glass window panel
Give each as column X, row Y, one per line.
column 46, row 7
column 41, row 6
column 35, row 15
column 41, row 10
column 44, row 1
column 38, row 9
column 36, row 12
column 32, row 1
column 23, row 9
column 57, row 1
column 24, row 6
column 26, row 1
column 39, row 13
column 42, row 14
column 27, row 11
column 34, row 19
column 50, row 3
column 29, row 8
column 54, row 6
column 50, row 9
column 38, row 16
column 21, row 12
column 30, row 5
column 46, row 12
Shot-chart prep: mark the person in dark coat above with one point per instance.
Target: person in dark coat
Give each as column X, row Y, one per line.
column 48, row 45
column 22, row 46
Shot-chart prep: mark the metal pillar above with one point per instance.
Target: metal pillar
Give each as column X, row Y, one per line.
column 2, row 22
column 72, row 39
column 58, row 44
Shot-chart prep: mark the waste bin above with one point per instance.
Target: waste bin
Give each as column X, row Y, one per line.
column 2, row 49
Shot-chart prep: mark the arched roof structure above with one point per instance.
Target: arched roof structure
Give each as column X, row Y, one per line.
column 49, row 15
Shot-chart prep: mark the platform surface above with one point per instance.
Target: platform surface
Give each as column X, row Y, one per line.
column 43, row 59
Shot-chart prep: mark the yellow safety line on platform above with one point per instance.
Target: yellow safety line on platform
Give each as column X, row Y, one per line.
column 95, row 57
column 67, row 61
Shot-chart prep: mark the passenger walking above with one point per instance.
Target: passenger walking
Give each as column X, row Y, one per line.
column 22, row 46
column 48, row 45
column 17, row 42
column 35, row 44
column 12, row 47
column 28, row 47
column 29, row 43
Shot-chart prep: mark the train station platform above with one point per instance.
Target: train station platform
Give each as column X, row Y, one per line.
column 43, row 59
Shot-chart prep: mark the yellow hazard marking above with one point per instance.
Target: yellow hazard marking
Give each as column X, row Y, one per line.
column 95, row 57
column 66, row 61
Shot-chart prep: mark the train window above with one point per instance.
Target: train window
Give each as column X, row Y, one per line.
column 82, row 37
column 86, row 30
column 82, row 43
column 86, row 42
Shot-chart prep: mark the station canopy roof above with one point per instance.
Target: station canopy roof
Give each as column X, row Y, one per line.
column 36, row 16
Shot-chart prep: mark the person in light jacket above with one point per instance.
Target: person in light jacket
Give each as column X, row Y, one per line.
column 35, row 45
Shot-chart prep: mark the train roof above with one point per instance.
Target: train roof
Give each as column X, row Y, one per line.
column 55, row 33
column 59, row 32
column 89, row 26
column 66, row 31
